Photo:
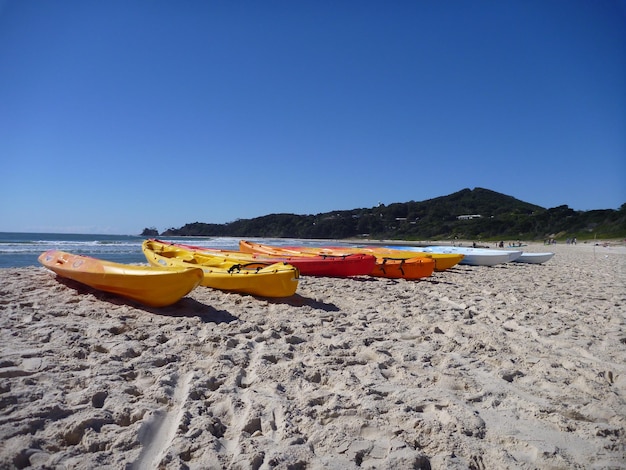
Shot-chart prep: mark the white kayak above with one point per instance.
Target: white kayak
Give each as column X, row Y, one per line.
column 534, row 258
column 472, row 256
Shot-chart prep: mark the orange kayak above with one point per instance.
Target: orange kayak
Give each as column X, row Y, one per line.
column 409, row 268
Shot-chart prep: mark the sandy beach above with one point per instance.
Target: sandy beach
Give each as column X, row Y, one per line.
column 515, row 366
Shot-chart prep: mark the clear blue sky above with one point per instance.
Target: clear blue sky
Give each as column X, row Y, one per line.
column 117, row 115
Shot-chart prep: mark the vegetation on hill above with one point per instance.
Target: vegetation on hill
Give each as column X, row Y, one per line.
column 466, row 215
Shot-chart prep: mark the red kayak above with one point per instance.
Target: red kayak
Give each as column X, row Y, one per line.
column 309, row 265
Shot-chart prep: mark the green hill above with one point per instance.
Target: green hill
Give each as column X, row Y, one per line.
column 468, row 214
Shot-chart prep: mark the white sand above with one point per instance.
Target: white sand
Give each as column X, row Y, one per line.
column 513, row 366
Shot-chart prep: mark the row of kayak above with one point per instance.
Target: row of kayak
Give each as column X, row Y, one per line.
column 444, row 257
column 256, row 269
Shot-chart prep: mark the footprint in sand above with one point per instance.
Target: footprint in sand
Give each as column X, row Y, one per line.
column 158, row 431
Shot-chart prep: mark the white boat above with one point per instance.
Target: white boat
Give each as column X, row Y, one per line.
column 472, row 256
column 534, row 258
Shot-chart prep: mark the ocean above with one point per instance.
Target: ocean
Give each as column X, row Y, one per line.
column 22, row 249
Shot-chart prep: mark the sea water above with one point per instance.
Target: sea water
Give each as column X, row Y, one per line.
column 23, row 249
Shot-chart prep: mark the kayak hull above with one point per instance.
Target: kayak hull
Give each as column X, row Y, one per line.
column 154, row 287
column 471, row 256
column 409, row 268
column 534, row 258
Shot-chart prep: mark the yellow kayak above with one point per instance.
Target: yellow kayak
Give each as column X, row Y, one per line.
column 255, row 277
column 155, row 287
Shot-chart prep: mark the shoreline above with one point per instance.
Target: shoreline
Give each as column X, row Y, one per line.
column 511, row 366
